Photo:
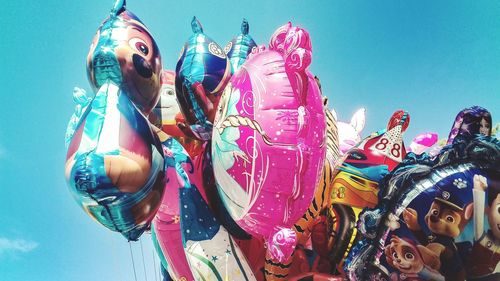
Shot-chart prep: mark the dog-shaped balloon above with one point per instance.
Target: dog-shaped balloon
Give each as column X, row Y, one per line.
column 114, row 164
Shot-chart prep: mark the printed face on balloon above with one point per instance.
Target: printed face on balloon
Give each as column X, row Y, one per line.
column 169, row 104
column 484, row 127
column 124, row 52
column 167, row 107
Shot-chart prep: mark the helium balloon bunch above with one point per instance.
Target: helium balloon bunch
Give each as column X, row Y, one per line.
column 241, row 171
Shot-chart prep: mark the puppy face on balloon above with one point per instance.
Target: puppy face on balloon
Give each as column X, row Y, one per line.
column 124, row 52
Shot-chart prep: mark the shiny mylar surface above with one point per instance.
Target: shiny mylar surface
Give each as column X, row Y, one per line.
column 201, row 74
column 240, row 47
column 114, row 163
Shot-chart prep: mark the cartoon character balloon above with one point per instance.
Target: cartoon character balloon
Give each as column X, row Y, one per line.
column 167, row 220
column 355, row 186
column 435, row 227
column 468, row 122
column 166, row 110
column 307, row 224
column 240, row 47
column 202, row 72
column 124, row 52
column 166, row 115
column 193, row 242
column 268, row 142
column 350, row 133
column 114, row 163
column 471, row 121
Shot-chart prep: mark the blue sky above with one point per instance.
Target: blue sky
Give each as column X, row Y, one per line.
column 431, row 58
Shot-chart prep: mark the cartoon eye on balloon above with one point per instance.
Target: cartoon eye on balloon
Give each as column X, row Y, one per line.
column 471, row 121
column 124, row 52
column 114, row 163
column 427, row 205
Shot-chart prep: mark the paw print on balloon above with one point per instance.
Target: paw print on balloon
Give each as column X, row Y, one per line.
column 460, row 183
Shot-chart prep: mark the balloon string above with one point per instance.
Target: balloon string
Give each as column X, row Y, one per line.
column 154, row 265
column 132, row 257
column 116, row 260
column 143, row 262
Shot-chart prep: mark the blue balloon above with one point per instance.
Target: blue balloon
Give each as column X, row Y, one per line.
column 240, row 47
column 114, row 163
column 202, row 72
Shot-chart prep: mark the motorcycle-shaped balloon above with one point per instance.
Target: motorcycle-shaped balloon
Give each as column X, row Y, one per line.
column 355, row 185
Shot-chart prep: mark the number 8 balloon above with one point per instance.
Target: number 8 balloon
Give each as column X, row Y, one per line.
column 355, row 185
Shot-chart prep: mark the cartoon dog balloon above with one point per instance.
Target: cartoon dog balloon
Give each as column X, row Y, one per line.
column 167, row 109
column 124, row 52
column 432, row 213
column 114, row 163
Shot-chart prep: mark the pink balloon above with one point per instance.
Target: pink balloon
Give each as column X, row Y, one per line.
column 168, row 228
column 422, row 142
column 268, row 142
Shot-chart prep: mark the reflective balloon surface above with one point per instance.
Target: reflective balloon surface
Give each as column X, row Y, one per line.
column 202, row 72
column 252, row 155
column 355, row 185
column 422, row 142
column 114, row 163
column 435, row 225
column 124, row 52
column 308, row 223
column 179, row 168
column 240, row 47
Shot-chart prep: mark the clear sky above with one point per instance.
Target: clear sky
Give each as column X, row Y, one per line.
column 431, row 58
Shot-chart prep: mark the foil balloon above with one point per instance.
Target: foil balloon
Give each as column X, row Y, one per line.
column 194, row 244
column 276, row 270
column 471, row 121
column 268, row 143
column 167, row 114
column 163, row 262
column 422, row 142
column 350, row 133
column 355, row 185
column 166, row 224
column 166, row 110
column 82, row 100
column 468, row 122
column 211, row 251
column 114, row 163
column 124, row 52
column 240, row 47
column 202, row 72
column 435, row 222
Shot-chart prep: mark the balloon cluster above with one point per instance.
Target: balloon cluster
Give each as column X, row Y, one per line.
column 241, row 171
